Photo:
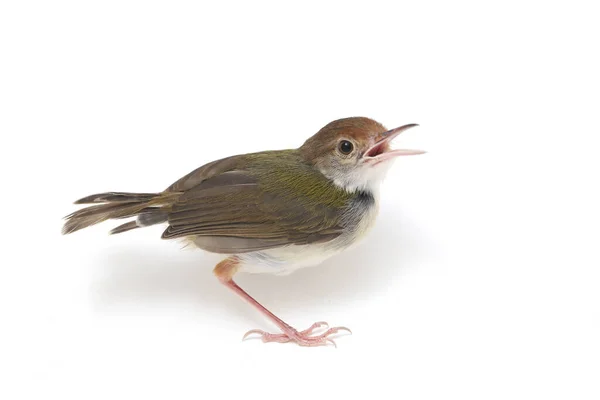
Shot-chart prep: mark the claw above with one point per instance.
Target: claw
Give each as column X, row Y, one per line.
column 331, row 331
column 343, row 328
column 261, row 333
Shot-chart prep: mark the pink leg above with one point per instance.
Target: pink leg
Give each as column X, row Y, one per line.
column 225, row 271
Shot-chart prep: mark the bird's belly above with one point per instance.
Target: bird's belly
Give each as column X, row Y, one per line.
column 287, row 259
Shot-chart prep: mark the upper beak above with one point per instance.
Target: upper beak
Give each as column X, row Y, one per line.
column 381, row 148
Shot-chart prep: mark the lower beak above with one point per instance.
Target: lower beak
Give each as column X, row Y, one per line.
column 381, row 149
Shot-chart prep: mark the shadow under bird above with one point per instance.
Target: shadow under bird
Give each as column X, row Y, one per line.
column 268, row 212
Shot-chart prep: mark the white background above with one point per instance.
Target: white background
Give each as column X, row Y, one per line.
column 480, row 280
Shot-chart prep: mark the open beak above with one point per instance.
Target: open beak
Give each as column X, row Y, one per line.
column 381, row 151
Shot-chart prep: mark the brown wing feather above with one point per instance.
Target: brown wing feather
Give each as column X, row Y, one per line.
column 205, row 172
column 232, row 213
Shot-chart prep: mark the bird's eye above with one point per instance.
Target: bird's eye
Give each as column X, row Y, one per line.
column 346, row 147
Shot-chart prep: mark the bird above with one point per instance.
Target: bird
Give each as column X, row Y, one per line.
column 271, row 212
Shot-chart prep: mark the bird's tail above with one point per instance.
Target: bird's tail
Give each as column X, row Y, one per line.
column 149, row 208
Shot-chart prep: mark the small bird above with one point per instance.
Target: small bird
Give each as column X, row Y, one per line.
column 268, row 212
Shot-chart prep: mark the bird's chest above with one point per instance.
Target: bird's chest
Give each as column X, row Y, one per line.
column 358, row 219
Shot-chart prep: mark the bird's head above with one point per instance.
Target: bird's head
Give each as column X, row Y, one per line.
column 355, row 153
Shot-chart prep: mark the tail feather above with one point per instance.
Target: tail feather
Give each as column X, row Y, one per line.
column 125, row 227
column 150, row 208
column 116, row 197
column 146, row 217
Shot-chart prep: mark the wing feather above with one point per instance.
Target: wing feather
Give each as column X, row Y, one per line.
column 227, row 210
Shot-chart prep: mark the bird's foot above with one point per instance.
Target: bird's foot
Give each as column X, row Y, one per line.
column 303, row 338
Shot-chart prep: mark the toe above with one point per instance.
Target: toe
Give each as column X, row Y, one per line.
column 314, row 327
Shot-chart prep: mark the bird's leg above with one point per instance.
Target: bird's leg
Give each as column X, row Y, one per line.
column 225, row 271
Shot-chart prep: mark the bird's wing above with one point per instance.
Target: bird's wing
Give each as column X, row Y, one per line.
column 235, row 212
column 207, row 171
